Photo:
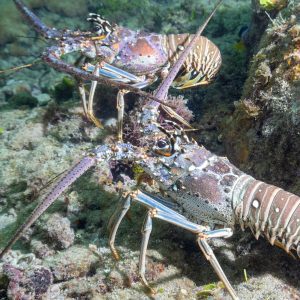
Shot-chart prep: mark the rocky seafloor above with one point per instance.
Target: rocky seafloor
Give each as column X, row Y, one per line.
column 254, row 121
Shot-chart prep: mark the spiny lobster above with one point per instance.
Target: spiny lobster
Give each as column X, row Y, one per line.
column 198, row 186
column 123, row 55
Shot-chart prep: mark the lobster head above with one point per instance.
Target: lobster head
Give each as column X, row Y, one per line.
column 199, row 181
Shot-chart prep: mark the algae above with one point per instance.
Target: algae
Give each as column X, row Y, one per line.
column 64, row 90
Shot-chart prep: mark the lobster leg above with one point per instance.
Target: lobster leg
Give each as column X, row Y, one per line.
column 82, row 96
column 146, row 231
column 52, row 59
column 121, row 104
column 210, row 256
column 123, row 209
column 159, row 211
column 90, row 111
column 86, row 108
column 203, row 235
column 117, row 75
column 114, row 228
column 120, row 108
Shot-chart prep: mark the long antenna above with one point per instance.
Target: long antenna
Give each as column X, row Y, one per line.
column 14, row 69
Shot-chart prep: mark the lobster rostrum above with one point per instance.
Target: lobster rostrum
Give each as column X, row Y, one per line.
column 119, row 55
column 198, row 187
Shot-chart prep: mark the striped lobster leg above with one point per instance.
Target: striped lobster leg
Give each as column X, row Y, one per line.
column 269, row 211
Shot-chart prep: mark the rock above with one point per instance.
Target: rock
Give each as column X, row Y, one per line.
column 73, row 263
column 43, row 99
column 59, row 231
column 7, row 218
column 40, row 249
column 23, row 99
column 27, row 284
column 27, row 138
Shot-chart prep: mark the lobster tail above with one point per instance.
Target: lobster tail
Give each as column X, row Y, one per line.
column 58, row 189
column 272, row 212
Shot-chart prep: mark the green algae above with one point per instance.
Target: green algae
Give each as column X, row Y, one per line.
column 64, row 90
column 273, row 4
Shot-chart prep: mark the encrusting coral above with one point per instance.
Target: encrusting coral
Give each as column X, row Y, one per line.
column 262, row 134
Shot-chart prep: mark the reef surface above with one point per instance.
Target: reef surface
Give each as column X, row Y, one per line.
column 250, row 114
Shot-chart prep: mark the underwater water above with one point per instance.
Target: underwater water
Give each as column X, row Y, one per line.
column 249, row 113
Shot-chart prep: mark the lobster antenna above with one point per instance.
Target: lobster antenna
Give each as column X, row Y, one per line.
column 14, row 69
column 162, row 91
column 39, row 26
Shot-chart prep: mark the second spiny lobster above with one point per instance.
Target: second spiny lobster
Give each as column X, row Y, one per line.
column 121, row 55
column 197, row 186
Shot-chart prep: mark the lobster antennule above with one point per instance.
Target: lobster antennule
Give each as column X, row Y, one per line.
column 80, row 168
column 36, row 22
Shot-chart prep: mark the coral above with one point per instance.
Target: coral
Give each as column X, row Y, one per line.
column 40, row 278
column 266, row 119
column 30, row 284
column 181, row 107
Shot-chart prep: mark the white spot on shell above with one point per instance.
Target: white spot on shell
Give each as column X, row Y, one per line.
column 192, row 168
column 180, row 47
column 298, row 220
column 255, row 203
column 277, row 209
column 259, row 190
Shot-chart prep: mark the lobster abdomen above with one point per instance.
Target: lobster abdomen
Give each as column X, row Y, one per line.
column 270, row 211
column 202, row 64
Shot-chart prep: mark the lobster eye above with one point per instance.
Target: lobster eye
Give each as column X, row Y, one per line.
column 162, row 147
column 162, row 144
